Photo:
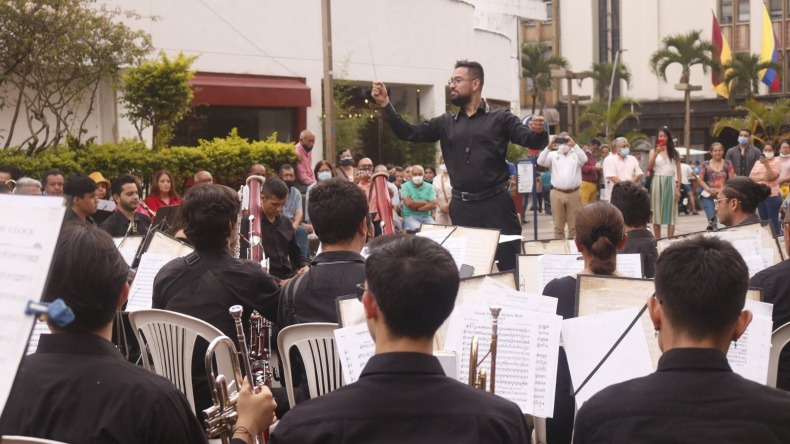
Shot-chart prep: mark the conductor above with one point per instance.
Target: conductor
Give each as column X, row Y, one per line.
column 474, row 145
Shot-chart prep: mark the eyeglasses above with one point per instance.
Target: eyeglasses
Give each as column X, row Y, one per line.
column 457, row 80
column 717, row 201
column 361, row 291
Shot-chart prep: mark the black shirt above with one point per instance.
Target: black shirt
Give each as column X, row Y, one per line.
column 246, row 284
column 403, row 398
column 775, row 282
column 279, row 244
column 642, row 241
column 118, row 225
column 78, row 388
column 474, row 148
column 70, row 216
column 693, row 397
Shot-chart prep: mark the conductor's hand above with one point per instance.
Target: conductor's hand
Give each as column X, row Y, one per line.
column 256, row 410
column 379, row 93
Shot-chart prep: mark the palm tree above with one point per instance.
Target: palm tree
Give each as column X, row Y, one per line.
column 743, row 74
column 767, row 122
column 686, row 50
column 606, row 120
column 537, row 61
column 601, row 73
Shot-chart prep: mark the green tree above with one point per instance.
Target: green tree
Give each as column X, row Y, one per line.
column 601, row 73
column 743, row 74
column 768, row 122
column 537, row 61
column 156, row 94
column 685, row 50
column 604, row 120
column 53, row 56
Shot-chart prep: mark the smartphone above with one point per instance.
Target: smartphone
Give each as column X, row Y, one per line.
column 560, row 140
column 762, row 155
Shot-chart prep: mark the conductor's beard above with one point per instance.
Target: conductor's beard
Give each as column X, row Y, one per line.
column 460, row 100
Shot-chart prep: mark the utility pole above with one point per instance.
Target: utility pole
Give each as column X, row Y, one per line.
column 329, row 82
column 687, row 88
column 570, row 76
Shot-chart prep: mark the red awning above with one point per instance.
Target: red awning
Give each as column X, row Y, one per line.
column 249, row 90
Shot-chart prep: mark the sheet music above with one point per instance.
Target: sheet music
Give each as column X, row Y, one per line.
column 572, row 247
column 749, row 358
column 105, row 205
column 350, row 311
column 166, row 245
column 495, row 293
column 527, row 353
column 510, row 238
column 355, row 347
column 142, row 291
column 457, row 248
column 29, row 229
column 587, row 339
column 602, row 294
column 128, row 247
column 555, row 266
column 480, row 248
column 39, row 328
column 554, row 246
column 437, row 235
column 630, row 265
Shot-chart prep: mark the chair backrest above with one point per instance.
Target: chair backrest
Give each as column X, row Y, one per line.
column 779, row 338
column 316, row 344
column 26, row 440
column 170, row 339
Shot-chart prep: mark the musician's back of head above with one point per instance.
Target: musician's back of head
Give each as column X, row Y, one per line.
column 337, row 208
column 210, row 213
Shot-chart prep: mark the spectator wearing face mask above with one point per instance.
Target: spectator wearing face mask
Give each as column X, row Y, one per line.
column 766, row 171
column 621, row 165
column 419, row 200
column 564, row 159
column 345, row 165
column 363, row 180
column 323, row 171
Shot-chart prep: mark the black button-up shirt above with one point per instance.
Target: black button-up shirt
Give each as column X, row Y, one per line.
column 474, row 148
column 403, row 397
column 693, row 397
column 118, row 225
column 742, row 163
column 78, row 388
column 642, row 242
column 279, row 245
column 775, row 282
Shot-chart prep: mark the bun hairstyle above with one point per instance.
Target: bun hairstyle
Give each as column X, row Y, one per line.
column 599, row 228
column 747, row 191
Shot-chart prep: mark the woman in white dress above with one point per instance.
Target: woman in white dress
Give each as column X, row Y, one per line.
column 665, row 187
column 444, row 194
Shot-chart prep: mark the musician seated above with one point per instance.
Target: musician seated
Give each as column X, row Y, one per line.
column 78, row 388
column 737, row 201
column 694, row 396
column 402, row 394
column 339, row 213
column 633, row 201
column 81, row 191
column 286, row 259
column 206, row 283
column 119, row 223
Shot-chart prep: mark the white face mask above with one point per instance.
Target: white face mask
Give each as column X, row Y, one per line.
column 564, row 149
column 417, row 180
column 784, row 156
column 769, row 154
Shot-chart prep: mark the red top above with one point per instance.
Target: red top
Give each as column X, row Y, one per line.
column 154, row 202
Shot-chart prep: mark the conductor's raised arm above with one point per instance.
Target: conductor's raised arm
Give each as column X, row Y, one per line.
column 423, row 132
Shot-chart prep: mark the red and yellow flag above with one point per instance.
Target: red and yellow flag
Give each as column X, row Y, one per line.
column 721, row 55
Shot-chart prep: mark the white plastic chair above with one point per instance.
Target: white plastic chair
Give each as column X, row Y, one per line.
column 779, row 338
column 316, row 344
column 170, row 338
column 539, row 433
column 26, row 440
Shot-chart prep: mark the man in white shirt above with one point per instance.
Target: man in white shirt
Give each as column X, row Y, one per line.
column 564, row 159
column 686, row 178
column 621, row 166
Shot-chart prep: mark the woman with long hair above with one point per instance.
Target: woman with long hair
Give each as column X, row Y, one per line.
column 600, row 233
column 323, row 170
column 767, row 171
column 345, row 164
column 163, row 191
column 665, row 187
column 712, row 175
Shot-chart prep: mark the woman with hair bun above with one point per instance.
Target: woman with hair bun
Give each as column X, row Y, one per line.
column 600, row 233
column 738, row 200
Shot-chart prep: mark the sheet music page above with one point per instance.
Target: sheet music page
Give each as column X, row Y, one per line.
column 457, row 248
column 554, row 246
column 587, row 339
column 436, row 235
column 29, row 229
column 600, row 294
column 165, row 245
column 142, row 291
column 554, row 266
column 128, row 247
column 510, row 238
column 572, row 247
column 105, row 205
column 352, row 312
column 750, row 357
column 630, row 265
column 494, row 293
column 527, row 353
column 355, row 347
column 40, row 328
column 480, row 248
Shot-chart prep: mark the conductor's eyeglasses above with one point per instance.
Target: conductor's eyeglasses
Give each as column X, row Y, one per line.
column 457, row 80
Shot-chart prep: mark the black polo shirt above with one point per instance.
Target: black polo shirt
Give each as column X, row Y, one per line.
column 474, row 148
column 279, row 244
column 118, row 225
column 642, row 241
column 78, row 388
column 775, row 282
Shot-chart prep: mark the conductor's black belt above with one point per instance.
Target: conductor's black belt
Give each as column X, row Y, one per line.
column 470, row 197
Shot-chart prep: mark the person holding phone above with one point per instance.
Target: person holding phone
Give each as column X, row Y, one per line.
column 564, row 159
column 767, row 171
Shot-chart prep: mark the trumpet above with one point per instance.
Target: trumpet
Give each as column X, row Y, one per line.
column 478, row 376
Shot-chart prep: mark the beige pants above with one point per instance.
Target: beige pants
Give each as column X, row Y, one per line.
column 564, row 207
column 589, row 192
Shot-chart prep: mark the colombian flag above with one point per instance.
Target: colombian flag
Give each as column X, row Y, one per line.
column 770, row 53
column 721, row 55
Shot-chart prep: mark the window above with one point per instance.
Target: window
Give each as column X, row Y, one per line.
column 775, row 9
column 743, row 11
column 725, row 12
column 548, row 13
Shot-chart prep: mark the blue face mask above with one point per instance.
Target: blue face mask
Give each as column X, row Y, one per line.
column 624, row 152
column 324, row 175
column 743, row 140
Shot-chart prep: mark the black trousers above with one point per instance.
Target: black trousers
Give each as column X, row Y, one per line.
column 498, row 211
